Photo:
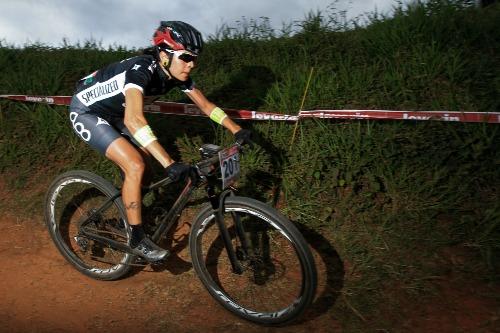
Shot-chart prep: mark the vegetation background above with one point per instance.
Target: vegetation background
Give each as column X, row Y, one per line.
column 393, row 198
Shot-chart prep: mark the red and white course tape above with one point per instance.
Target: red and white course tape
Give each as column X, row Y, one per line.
column 465, row 117
column 192, row 110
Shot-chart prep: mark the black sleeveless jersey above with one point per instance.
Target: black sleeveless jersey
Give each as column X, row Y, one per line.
column 103, row 92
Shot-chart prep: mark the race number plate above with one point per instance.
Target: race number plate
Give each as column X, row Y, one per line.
column 229, row 165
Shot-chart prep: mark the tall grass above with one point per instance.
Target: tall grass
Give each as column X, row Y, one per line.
column 383, row 190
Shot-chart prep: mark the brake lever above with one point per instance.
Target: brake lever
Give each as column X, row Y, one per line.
column 241, row 145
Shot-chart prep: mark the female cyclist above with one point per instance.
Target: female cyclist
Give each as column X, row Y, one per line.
column 106, row 111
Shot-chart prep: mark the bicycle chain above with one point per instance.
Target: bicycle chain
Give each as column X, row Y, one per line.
column 144, row 264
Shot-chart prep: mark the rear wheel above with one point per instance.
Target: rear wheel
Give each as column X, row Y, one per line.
column 279, row 276
column 72, row 198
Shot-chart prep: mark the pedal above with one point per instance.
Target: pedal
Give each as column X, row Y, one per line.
column 142, row 261
column 159, row 262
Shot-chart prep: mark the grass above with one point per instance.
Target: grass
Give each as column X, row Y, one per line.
column 384, row 190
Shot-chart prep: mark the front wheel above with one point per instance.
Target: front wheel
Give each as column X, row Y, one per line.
column 72, row 198
column 278, row 281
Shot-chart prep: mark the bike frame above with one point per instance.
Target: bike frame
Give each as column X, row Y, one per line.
column 169, row 219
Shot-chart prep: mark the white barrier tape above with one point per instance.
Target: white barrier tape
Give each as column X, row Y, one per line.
column 192, row 110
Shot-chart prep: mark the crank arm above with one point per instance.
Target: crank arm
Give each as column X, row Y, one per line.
column 106, row 241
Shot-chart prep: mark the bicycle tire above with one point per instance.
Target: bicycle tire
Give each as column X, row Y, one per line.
column 270, row 234
column 69, row 200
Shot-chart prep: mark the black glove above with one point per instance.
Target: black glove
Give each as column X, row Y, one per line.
column 178, row 171
column 243, row 136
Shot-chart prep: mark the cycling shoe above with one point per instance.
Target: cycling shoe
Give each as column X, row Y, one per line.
column 150, row 251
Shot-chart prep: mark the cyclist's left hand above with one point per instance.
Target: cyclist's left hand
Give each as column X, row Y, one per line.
column 244, row 136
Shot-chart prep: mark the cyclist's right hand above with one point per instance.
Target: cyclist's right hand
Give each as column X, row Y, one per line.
column 178, row 171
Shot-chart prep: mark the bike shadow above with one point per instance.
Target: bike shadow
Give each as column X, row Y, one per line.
column 331, row 273
column 176, row 240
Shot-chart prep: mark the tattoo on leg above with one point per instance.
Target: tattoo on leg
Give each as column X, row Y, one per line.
column 132, row 205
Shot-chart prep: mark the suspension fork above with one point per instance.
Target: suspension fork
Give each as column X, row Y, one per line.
column 240, row 231
column 217, row 202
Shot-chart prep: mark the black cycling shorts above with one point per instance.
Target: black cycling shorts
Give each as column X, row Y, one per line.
column 97, row 130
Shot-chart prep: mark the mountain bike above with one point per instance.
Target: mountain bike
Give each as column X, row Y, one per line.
column 249, row 257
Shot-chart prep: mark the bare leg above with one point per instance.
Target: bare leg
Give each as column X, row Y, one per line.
column 128, row 158
column 148, row 171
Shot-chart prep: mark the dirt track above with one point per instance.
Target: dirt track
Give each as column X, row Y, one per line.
column 40, row 292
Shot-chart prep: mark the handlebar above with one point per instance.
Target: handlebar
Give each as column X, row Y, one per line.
column 209, row 163
column 211, row 154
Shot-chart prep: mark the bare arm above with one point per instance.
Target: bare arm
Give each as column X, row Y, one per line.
column 134, row 120
column 206, row 107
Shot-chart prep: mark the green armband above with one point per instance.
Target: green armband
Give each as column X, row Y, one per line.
column 218, row 115
column 144, row 136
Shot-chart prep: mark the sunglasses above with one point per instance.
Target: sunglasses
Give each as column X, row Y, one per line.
column 184, row 56
column 187, row 58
